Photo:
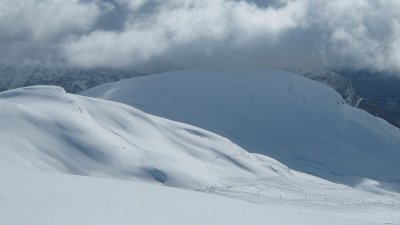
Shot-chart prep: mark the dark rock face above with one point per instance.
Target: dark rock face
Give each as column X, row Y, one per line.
column 380, row 92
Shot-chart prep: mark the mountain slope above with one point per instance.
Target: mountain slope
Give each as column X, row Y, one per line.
column 299, row 122
column 45, row 129
column 44, row 198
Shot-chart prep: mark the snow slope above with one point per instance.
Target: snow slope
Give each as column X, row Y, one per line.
column 44, row 198
column 297, row 121
column 45, row 129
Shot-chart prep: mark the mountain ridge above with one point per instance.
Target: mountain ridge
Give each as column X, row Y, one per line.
column 256, row 111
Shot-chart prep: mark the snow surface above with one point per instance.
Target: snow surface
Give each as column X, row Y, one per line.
column 46, row 134
column 300, row 122
column 45, row 198
column 45, row 128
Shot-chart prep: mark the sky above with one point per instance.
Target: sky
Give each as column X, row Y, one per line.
column 190, row 34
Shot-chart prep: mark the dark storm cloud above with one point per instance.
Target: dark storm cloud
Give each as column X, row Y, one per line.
column 355, row 34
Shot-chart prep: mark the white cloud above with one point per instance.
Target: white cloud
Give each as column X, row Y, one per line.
column 38, row 19
column 355, row 34
column 31, row 29
column 209, row 29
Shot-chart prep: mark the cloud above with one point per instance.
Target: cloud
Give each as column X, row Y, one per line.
column 357, row 34
column 31, row 30
column 185, row 33
column 160, row 34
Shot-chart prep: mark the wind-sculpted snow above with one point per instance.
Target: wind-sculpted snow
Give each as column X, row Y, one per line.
column 299, row 122
column 45, row 128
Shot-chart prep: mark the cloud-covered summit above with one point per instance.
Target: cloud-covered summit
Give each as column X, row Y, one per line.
column 338, row 34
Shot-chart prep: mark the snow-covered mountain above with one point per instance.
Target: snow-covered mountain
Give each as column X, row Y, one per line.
column 300, row 122
column 44, row 129
column 47, row 135
column 72, row 79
